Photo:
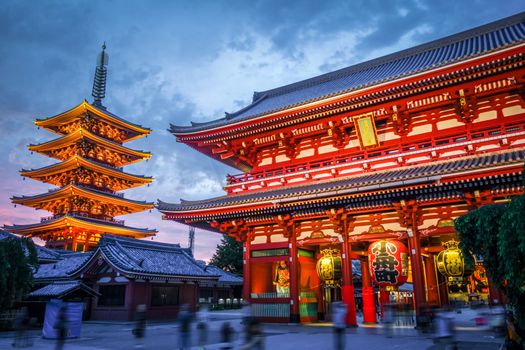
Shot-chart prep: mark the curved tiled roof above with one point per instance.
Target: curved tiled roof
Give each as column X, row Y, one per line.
column 62, row 288
column 151, row 258
column 224, row 276
column 356, row 184
column 455, row 48
column 64, row 268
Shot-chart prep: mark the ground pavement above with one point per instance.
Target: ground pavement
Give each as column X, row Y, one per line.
column 164, row 335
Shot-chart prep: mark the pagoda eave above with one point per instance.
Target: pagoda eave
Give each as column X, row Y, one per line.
column 76, row 162
column 78, row 223
column 52, row 122
column 38, row 201
column 80, row 134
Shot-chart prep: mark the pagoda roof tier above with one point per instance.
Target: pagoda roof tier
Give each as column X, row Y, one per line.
column 133, row 131
column 46, row 200
column 375, row 183
column 54, row 174
column 64, row 143
column 79, row 223
column 376, row 73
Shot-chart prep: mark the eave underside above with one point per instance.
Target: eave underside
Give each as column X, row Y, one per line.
column 73, row 223
column 439, row 182
column 70, row 141
column 81, row 110
column 39, row 201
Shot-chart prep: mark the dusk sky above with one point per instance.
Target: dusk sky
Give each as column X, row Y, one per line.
column 181, row 61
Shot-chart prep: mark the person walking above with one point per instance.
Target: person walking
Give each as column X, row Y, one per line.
column 202, row 326
column 21, row 325
column 339, row 319
column 140, row 326
column 61, row 326
column 184, row 321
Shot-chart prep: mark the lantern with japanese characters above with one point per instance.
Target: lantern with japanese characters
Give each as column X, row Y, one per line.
column 329, row 267
column 451, row 263
column 388, row 262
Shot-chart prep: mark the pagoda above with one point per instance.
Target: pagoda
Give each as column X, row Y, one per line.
column 369, row 163
column 89, row 175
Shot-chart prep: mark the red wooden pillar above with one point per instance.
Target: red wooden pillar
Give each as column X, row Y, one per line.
column 294, row 281
column 246, row 288
column 443, row 290
column 417, row 269
column 348, row 293
column 367, row 291
column 432, row 287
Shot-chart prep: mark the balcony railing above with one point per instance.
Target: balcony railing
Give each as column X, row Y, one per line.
column 475, row 137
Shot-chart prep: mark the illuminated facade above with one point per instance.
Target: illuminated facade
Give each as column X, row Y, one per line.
column 89, row 175
column 392, row 149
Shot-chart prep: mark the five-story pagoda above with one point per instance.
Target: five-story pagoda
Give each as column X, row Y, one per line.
column 89, row 175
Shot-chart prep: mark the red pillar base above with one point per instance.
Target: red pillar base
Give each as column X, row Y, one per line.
column 349, row 300
column 384, row 298
column 369, row 305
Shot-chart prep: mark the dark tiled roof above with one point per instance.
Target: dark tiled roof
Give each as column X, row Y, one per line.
column 43, row 254
column 46, row 254
column 403, row 176
column 139, row 257
column 61, row 289
column 225, row 277
column 445, row 51
column 64, row 268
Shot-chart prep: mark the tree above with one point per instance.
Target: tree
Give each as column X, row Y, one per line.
column 228, row 255
column 496, row 232
column 18, row 259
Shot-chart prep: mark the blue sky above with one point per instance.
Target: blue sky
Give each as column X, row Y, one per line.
column 181, row 61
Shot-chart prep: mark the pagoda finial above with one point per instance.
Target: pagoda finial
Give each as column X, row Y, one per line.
column 101, row 73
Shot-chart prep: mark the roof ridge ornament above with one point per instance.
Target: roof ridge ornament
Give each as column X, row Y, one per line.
column 99, row 81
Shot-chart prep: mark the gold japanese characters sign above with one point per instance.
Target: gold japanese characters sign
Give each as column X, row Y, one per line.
column 451, row 263
column 366, row 130
column 329, row 267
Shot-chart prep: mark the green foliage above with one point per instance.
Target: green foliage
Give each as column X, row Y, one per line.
column 228, row 255
column 18, row 259
column 497, row 233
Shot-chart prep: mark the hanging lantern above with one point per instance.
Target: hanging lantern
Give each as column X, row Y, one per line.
column 451, row 263
column 329, row 267
column 388, row 262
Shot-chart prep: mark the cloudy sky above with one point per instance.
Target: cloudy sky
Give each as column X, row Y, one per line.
column 181, row 61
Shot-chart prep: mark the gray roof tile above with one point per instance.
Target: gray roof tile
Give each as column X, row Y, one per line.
column 445, row 51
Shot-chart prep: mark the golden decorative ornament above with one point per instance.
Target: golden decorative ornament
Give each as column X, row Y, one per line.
column 329, row 267
column 451, row 263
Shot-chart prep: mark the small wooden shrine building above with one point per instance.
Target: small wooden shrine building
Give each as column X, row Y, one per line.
column 373, row 163
column 122, row 273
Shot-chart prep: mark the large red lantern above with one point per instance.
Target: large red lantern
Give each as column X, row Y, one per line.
column 388, row 262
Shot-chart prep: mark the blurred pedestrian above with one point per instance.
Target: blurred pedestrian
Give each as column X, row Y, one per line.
column 254, row 335
column 139, row 330
column 202, row 325
column 62, row 328
column 513, row 341
column 339, row 319
column 184, row 321
column 226, row 336
column 21, row 325
column 444, row 333
column 388, row 320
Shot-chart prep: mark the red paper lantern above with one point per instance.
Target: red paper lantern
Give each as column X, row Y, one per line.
column 388, row 262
